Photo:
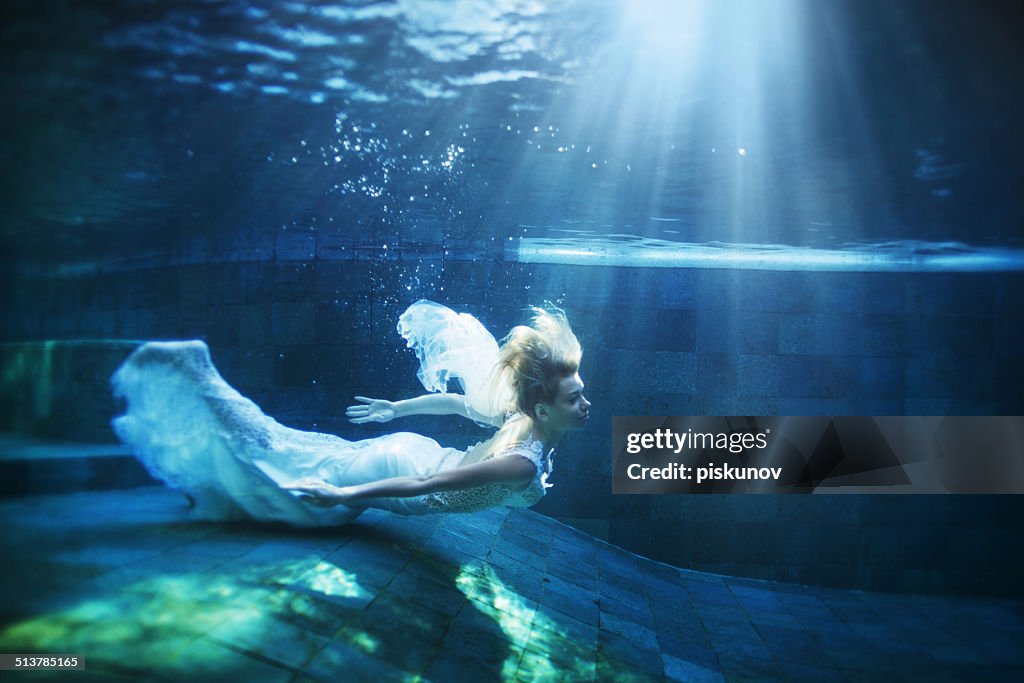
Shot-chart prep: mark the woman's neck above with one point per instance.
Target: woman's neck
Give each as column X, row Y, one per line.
column 534, row 429
column 547, row 437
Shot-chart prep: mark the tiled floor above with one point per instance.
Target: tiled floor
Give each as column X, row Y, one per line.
column 126, row 580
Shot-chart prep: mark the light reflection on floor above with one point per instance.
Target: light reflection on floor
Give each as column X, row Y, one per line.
column 123, row 579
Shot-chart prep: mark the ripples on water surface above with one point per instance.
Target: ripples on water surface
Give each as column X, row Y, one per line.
column 812, row 125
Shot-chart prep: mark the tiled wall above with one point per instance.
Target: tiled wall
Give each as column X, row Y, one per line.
column 300, row 328
column 763, row 343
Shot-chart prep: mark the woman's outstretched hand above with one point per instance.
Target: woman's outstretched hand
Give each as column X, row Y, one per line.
column 375, row 410
column 322, row 494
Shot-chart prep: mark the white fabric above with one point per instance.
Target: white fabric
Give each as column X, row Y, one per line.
column 453, row 345
column 195, row 432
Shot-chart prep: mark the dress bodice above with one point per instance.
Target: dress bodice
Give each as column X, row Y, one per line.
column 493, row 495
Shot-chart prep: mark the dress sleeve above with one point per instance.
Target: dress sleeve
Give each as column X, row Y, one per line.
column 534, row 452
column 452, row 345
column 491, row 495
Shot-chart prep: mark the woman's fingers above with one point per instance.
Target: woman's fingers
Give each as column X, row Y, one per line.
column 304, row 484
column 361, row 415
column 311, row 491
column 360, row 411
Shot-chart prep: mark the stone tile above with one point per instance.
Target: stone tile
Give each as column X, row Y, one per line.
column 270, row 638
column 523, row 540
column 436, row 600
column 462, row 527
column 758, row 375
column 622, row 587
column 749, row 669
column 221, row 548
column 851, row 651
column 454, row 540
column 508, row 618
column 675, row 330
column 616, row 655
column 423, row 590
column 358, row 666
column 640, row 635
column 790, row 644
column 315, row 614
column 571, row 665
column 578, row 607
column 627, row 612
column 708, row 597
column 451, row 665
column 393, row 630
column 505, row 554
column 778, row 619
column 468, row 642
column 810, row 673
column 689, row 672
column 206, row 660
column 580, row 575
column 680, row 636
column 551, row 626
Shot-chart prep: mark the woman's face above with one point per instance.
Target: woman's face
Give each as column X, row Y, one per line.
column 570, row 409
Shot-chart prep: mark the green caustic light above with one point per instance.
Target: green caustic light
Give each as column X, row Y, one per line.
column 141, row 626
column 202, row 623
column 153, row 623
column 333, row 581
column 542, row 648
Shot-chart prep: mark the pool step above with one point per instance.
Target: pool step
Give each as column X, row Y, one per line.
column 59, row 389
column 31, row 467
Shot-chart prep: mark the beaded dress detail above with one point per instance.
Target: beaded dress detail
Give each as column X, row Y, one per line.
column 195, row 432
column 492, row 495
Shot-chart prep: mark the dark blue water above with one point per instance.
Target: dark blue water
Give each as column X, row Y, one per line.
column 283, row 179
column 825, row 124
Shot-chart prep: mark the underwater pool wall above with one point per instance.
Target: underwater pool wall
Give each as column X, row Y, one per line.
column 301, row 325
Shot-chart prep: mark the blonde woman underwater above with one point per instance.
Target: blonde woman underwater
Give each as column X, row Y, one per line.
column 196, row 433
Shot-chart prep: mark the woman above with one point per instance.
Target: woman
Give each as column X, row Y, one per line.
column 195, row 432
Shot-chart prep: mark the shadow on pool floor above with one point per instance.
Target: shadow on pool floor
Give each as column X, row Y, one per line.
column 127, row 581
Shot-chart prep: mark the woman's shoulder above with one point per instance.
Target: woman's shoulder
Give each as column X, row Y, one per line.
column 515, row 422
column 529, row 448
column 517, row 429
column 519, row 440
column 514, row 438
column 525, row 447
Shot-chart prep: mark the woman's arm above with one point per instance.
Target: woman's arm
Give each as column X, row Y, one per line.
column 380, row 410
column 512, row 471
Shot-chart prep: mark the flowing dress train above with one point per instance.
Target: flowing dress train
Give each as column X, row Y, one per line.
column 195, row 432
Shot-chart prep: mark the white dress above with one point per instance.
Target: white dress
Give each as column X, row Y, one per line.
column 193, row 431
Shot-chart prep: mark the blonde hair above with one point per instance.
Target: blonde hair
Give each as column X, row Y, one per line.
column 534, row 358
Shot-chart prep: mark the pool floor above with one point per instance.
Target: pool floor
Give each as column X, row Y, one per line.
column 126, row 580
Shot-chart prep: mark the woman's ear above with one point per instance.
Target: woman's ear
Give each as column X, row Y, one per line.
column 540, row 412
